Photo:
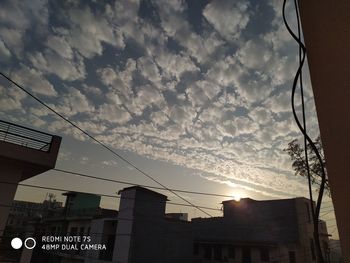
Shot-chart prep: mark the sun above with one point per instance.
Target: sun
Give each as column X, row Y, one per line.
column 237, row 195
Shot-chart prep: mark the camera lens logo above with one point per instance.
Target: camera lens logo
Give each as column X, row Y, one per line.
column 29, row 243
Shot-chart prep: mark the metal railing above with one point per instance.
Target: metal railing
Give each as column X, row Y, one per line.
column 26, row 137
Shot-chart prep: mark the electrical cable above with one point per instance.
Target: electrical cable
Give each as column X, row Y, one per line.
column 103, row 195
column 129, row 183
column 101, row 143
column 306, row 136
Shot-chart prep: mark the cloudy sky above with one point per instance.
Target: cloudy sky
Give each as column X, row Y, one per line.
column 197, row 93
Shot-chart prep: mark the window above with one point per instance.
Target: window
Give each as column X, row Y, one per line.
column 73, row 231
column 308, row 212
column 81, row 232
column 264, row 254
column 195, row 248
column 292, row 257
column 312, row 247
column 218, row 252
column 207, row 252
column 246, row 255
column 231, row 251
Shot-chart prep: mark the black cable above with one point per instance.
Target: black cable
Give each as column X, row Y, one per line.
column 306, row 136
column 129, row 183
column 104, row 195
column 304, row 118
column 102, row 144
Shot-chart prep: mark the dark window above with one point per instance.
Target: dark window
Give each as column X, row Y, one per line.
column 207, row 252
column 218, row 252
column 312, row 247
column 81, row 233
column 292, row 257
column 264, row 254
column 246, row 255
column 195, row 248
column 325, row 246
column 73, row 231
column 308, row 212
column 231, row 252
column 108, row 254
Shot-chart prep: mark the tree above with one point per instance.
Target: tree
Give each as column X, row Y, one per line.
column 297, row 155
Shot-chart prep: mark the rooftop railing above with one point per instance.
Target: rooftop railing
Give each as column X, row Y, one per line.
column 25, row 137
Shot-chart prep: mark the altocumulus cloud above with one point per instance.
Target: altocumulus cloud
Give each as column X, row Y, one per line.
column 183, row 83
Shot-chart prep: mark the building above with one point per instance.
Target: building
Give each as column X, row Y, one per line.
column 144, row 234
column 80, row 216
column 22, row 211
column 24, row 153
column 258, row 231
column 330, row 80
column 249, row 231
column 335, row 254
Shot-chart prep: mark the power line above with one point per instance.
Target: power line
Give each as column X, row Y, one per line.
column 102, row 144
column 103, row 195
column 302, row 52
column 129, row 183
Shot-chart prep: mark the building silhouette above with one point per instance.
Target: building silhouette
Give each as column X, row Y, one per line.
column 249, row 231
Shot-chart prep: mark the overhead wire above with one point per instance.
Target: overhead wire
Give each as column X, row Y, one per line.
column 101, row 143
column 302, row 49
column 103, row 195
column 134, row 184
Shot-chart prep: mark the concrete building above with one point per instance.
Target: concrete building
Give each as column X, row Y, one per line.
column 258, row 231
column 81, row 213
column 22, row 212
column 326, row 30
column 24, row 153
column 144, row 234
column 249, row 231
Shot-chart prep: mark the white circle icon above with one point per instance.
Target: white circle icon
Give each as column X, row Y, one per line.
column 30, row 246
column 16, row 243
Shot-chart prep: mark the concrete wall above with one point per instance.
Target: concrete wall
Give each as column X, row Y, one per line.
column 13, row 175
column 326, row 30
column 143, row 233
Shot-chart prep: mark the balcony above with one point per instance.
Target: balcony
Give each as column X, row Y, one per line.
column 26, row 137
column 31, row 151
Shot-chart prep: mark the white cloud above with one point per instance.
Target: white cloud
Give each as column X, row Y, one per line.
column 88, row 31
column 60, row 46
column 33, row 79
column 4, row 52
column 119, row 80
column 174, row 65
column 229, row 18
column 254, row 54
column 10, row 98
column 52, row 63
column 202, row 92
column 17, row 17
column 182, row 115
column 148, row 69
column 72, row 103
column 174, row 23
column 112, row 113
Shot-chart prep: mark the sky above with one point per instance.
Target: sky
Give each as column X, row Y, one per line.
column 196, row 93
